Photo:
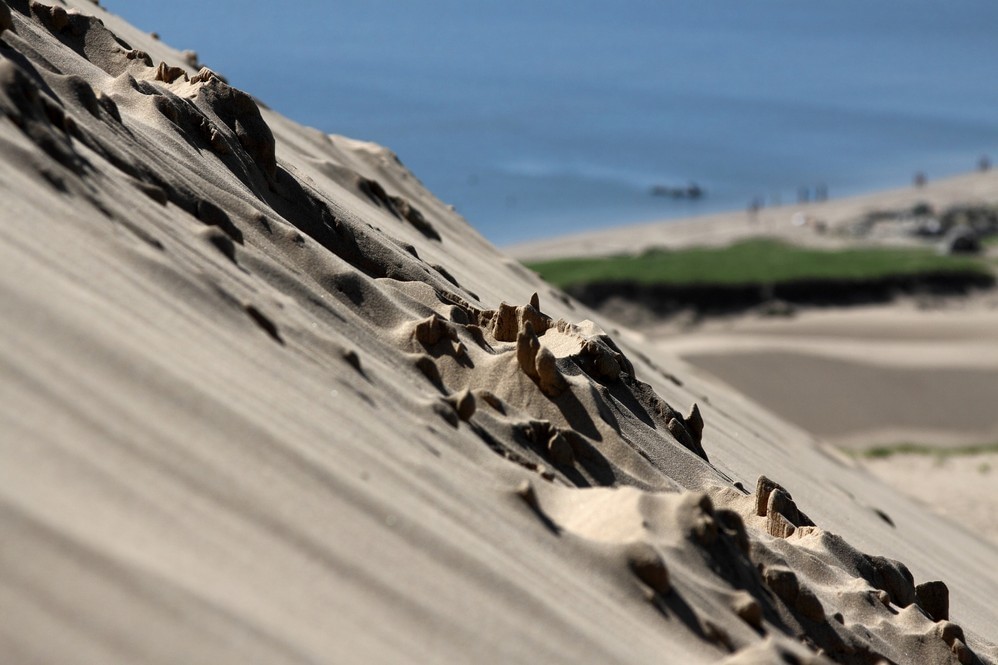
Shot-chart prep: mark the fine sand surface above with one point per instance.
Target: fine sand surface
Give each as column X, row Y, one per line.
column 263, row 400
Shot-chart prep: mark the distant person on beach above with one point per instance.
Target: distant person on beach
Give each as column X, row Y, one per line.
column 920, row 179
column 821, row 192
column 984, row 163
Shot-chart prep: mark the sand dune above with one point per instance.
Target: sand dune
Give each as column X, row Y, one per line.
column 264, row 400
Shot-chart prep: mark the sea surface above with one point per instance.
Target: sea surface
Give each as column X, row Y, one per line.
column 536, row 118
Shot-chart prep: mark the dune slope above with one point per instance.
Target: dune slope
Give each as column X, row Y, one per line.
column 263, row 400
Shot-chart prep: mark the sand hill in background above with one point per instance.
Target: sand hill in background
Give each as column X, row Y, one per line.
column 264, row 399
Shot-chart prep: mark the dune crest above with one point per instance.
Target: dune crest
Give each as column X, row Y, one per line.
column 266, row 400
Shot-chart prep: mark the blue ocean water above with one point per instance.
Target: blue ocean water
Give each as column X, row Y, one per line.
column 536, row 118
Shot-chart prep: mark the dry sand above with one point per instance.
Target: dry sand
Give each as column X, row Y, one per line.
column 262, row 402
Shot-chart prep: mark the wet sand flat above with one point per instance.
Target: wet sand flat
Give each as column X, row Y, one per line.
column 861, row 405
column 862, row 377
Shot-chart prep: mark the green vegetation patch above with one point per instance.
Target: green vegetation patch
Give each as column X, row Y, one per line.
column 881, row 452
column 759, row 261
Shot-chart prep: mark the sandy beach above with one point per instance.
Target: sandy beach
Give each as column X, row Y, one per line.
column 777, row 221
column 265, row 399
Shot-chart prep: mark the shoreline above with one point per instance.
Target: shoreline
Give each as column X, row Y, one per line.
column 975, row 187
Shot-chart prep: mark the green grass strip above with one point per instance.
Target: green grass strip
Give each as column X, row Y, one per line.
column 759, row 261
column 881, row 452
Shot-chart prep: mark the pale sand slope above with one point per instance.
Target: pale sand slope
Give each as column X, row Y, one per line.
column 778, row 221
column 255, row 408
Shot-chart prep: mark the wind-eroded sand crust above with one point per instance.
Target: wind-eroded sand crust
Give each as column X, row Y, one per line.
column 264, row 400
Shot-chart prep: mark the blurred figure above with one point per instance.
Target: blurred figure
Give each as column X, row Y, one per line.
column 984, row 163
column 920, row 179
